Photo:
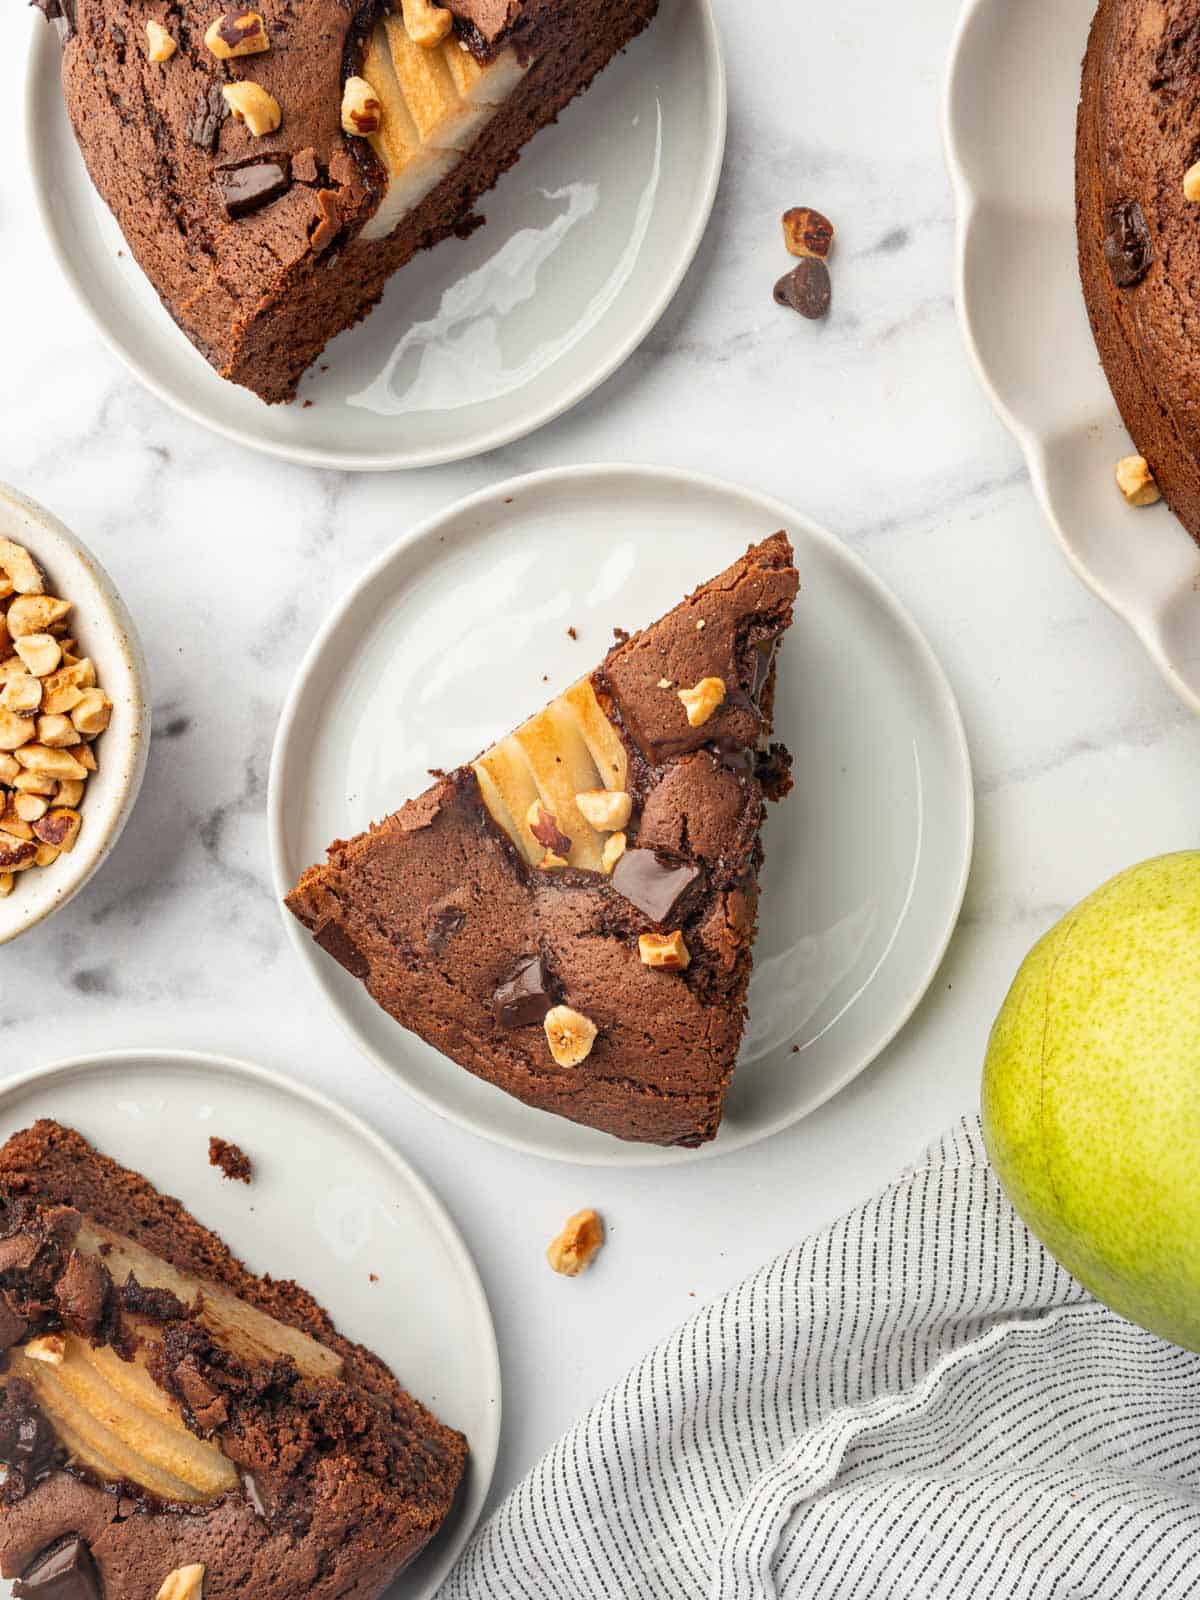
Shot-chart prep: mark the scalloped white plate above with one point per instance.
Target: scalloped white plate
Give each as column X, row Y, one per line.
column 481, row 340
column 460, row 630
column 1009, row 122
column 330, row 1204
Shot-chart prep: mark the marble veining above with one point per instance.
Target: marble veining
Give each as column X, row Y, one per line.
column 872, row 423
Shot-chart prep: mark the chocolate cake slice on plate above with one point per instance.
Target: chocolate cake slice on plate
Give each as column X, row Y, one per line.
column 272, row 165
column 572, row 915
column 173, row 1426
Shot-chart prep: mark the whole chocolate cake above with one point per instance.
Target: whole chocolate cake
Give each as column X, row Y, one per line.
column 572, row 915
column 173, row 1426
column 1138, row 213
column 270, row 168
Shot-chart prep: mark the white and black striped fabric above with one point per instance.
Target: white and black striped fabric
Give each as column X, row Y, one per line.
column 916, row 1403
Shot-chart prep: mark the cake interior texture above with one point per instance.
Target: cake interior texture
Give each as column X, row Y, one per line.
column 263, row 246
column 162, row 1408
column 603, row 858
column 1138, row 134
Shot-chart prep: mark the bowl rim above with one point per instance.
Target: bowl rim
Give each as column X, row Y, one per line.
column 72, row 567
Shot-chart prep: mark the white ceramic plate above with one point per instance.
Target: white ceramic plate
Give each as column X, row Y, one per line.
column 106, row 633
column 1010, row 109
column 481, row 340
column 330, row 1204
column 460, row 630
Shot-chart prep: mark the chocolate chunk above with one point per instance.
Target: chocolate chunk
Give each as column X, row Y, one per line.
column 208, row 113
column 806, row 289
column 524, row 998
column 13, row 1326
column 764, row 660
column 252, row 185
column 28, row 1442
column 654, row 882
column 1128, row 248
column 82, row 1294
column 444, row 925
column 65, row 1571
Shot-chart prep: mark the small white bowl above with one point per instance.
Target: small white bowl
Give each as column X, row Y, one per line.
column 106, row 633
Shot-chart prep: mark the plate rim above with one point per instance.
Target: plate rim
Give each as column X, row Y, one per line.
column 968, row 201
column 449, row 1234
column 780, row 514
column 396, row 461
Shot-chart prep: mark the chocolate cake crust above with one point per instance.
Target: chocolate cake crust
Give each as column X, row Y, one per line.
column 342, row 1481
column 450, row 929
column 1138, row 133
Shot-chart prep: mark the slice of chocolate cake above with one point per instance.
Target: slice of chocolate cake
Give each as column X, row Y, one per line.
column 272, row 165
column 571, row 916
column 172, row 1425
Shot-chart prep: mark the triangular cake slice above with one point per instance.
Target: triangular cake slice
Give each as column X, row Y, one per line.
column 572, row 915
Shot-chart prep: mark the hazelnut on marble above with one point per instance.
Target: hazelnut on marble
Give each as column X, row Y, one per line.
column 425, row 23
column 237, row 33
column 605, row 809
column 1136, row 481
column 702, row 700
column 250, row 103
column 807, row 233
column 362, row 109
column 570, row 1035
column 159, row 44
column 577, row 1246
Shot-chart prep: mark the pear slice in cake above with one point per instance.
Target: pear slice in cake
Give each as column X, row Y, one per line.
column 571, row 915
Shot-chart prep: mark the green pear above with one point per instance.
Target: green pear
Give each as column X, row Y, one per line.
column 1091, row 1094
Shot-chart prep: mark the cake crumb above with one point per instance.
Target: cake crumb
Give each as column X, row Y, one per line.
column 373, row 1276
column 233, row 1162
column 306, row 405
column 571, row 634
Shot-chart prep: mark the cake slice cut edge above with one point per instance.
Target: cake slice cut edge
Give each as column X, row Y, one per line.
column 167, row 1408
column 571, row 915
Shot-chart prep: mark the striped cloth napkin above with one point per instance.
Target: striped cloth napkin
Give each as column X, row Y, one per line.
column 915, row 1403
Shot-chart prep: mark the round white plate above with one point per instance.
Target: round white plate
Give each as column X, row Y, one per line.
column 480, row 340
column 1010, row 107
column 330, row 1204
column 460, row 631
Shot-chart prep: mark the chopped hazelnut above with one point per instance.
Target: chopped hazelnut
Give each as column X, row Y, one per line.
column 185, row 1583
column 551, row 862
column 10, row 768
column 63, row 689
column 92, row 713
column 362, row 110
column 250, row 103
column 50, row 1348
column 57, row 732
column 570, row 1035
column 59, row 828
column 614, row 849
column 237, row 33
column 52, row 763
column 577, row 1245
column 807, row 232
column 666, row 683
column 425, row 23
column 31, row 807
column 85, row 756
column 12, row 825
column 68, row 792
column 35, row 613
column 46, row 855
column 22, row 570
column 21, row 694
column 34, row 783
column 664, row 950
column 703, row 700
column 41, row 653
column 15, row 853
column 160, row 45
column 605, row 809
column 6, row 884
column 15, row 731
column 1191, row 183
column 1136, row 481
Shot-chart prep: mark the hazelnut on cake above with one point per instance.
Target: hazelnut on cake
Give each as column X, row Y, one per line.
column 173, row 1426
column 571, row 916
column 271, row 165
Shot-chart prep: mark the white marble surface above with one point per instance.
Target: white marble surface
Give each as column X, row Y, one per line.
column 873, row 423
